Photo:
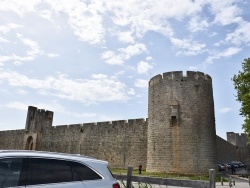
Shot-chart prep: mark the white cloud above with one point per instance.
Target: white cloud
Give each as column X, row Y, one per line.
column 22, row 92
column 197, row 24
column 193, row 68
column 112, row 58
column 33, row 50
column 99, row 76
column 143, row 67
column 100, row 89
column 17, row 105
column 83, row 115
column 107, row 54
column 217, row 44
column 119, row 73
column 176, row 9
column 123, row 54
column 18, row 63
column 240, row 35
column 141, row 83
column 188, row 47
column 52, row 55
column 213, row 34
column 86, row 115
column 228, row 14
column 226, row 53
column 6, row 58
column 16, row 58
column 84, row 19
column 142, row 17
column 53, row 106
column 133, row 50
column 229, row 52
column 125, row 37
column 88, row 19
column 3, row 40
column 4, row 29
column 149, row 58
column 131, row 91
column 224, row 110
column 19, row 7
column 46, row 14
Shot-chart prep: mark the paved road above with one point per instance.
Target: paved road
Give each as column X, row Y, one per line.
column 239, row 180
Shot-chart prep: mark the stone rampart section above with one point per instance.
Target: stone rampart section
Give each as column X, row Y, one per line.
column 122, row 143
column 237, row 139
column 226, row 152
column 12, row 139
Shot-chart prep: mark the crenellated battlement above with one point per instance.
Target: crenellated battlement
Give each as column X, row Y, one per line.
column 38, row 118
column 17, row 131
column 137, row 121
column 179, row 76
column 140, row 121
column 40, row 112
column 236, row 138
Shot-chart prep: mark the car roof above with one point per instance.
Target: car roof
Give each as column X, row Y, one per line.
column 33, row 153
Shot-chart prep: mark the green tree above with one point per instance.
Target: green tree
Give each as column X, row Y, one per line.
column 242, row 85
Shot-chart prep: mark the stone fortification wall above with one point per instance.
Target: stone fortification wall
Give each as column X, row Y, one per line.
column 12, row 139
column 226, row 152
column 122, row 143
column 181, row 132
column 178, row 137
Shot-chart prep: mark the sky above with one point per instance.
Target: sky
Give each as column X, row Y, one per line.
column 91, row 60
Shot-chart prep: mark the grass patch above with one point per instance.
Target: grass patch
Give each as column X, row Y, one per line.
column 165, row 175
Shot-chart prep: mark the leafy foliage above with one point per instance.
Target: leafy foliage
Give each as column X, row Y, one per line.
column 242, row 85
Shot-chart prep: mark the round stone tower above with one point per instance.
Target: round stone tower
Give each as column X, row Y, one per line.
column 181, row 123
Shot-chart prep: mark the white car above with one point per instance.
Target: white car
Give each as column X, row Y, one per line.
column 56, row 170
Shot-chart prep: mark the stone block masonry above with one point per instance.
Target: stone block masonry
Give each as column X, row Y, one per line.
column 122, row 143
column 181, row 133
column 178, row 136
column 12, row 139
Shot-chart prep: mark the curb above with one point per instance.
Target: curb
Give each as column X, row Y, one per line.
column 238, row 177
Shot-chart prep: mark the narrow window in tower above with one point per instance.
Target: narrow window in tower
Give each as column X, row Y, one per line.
column 173, row 121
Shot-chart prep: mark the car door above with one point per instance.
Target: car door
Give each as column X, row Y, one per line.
column 52, row 173
column 12, row 172
column 90, row 177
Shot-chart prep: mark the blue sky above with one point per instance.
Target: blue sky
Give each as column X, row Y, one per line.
column 91, row 60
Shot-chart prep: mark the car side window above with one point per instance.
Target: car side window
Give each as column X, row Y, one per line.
column 44, row 171
column 84, row 172
column 11, row 172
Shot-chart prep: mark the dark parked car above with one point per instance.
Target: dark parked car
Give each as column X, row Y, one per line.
column 221, row 167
